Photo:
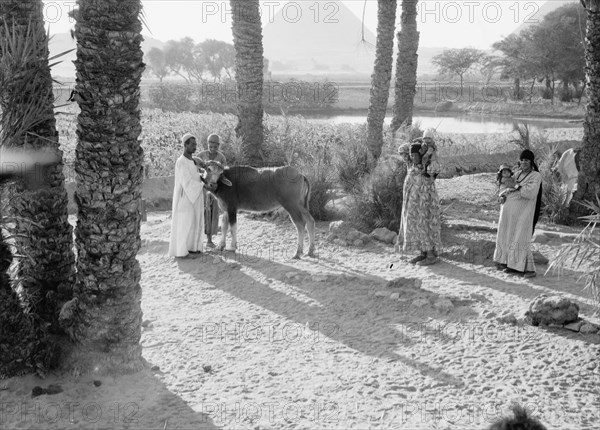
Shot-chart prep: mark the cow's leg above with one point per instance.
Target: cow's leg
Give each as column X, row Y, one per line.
column 232, row 216
column 298, row 220
column 310, row 225
column 224, row 229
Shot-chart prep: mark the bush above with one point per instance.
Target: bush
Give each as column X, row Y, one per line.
column 378, row 200
column 585, row 250
column 292, row 96
column 553, row 192
column 352, row 164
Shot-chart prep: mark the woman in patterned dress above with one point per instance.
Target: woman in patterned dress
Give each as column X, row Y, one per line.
column 420, row 222
column 518, row 216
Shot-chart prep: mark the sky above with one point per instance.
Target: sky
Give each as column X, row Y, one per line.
column 442, row 23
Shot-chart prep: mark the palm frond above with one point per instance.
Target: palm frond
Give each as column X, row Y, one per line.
column 23, row 88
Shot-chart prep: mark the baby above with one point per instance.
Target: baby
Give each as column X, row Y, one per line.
column 506, row 182
column 428, row 152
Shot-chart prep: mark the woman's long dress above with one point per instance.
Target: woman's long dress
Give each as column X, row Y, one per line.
column 515, row 226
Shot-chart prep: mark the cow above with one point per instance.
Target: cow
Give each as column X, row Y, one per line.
column 261, row 190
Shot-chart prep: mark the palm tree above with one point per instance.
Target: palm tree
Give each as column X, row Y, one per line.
column 406, row 66
column 107, row 316
column 588, row 184
column 247, row 41
column 41, row 227
column 380, row 79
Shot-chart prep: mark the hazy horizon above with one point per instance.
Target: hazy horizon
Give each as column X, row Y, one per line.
column 448, row 24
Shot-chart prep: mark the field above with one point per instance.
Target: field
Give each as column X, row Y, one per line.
column 292, row 139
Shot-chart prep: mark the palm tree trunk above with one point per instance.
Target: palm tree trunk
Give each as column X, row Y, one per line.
column 380, row 79
column 17, row 334
column 43, row 231
column 247, row 41
column 588, row 184
column 406, row 66
column 109, row 173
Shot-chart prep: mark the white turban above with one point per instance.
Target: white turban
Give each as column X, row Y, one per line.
column 186, row 137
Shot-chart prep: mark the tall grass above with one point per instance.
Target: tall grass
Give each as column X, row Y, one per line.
column 332, row 156
column 584, row 251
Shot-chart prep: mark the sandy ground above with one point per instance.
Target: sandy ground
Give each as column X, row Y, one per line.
column 255, row 340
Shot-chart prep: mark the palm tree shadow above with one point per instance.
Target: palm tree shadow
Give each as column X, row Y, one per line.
column 139, row 400
column 336, row 305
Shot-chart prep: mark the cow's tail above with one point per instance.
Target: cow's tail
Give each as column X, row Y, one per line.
column 306, row 190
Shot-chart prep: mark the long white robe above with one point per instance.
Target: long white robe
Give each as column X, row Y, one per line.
column 515, row 226
column 187, row 216
column 568, row 173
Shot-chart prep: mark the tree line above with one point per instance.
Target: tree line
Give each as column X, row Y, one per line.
column 549, row 51
column 194, row 62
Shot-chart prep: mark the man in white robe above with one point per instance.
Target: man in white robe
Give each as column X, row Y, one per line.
column 568, row 174
column 187, row 217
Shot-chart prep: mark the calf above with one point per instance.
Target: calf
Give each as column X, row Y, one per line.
column 261, row 190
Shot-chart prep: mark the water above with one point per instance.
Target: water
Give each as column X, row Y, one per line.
column 445, row 123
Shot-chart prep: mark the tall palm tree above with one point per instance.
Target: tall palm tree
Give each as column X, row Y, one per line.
column 43, row 232
column 109, row 160
column 380, row 79
column 247, row 41
column 588, row 184
column 25, row 346
column 406, row 65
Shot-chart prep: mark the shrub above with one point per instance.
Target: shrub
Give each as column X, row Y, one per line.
column 523, row 141
column 585, row 250
column 378, row 200
column 352, row 164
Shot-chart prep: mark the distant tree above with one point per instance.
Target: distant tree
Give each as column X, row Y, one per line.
column 458, row 61
column 560, row 38
column 380, row 79
column 175, row 58
column 218, row 57
column 516, row 61
column 157, row 63
column 550, row 50
column 184, row 56
column 406, row 65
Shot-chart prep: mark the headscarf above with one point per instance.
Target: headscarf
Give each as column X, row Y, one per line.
column 528, row 155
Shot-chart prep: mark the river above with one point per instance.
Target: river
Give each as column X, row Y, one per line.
column 459, row 123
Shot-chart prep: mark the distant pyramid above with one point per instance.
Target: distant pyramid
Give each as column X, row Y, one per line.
column 318, row 37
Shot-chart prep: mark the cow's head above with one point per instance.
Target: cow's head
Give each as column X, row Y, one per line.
column 214, row 175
